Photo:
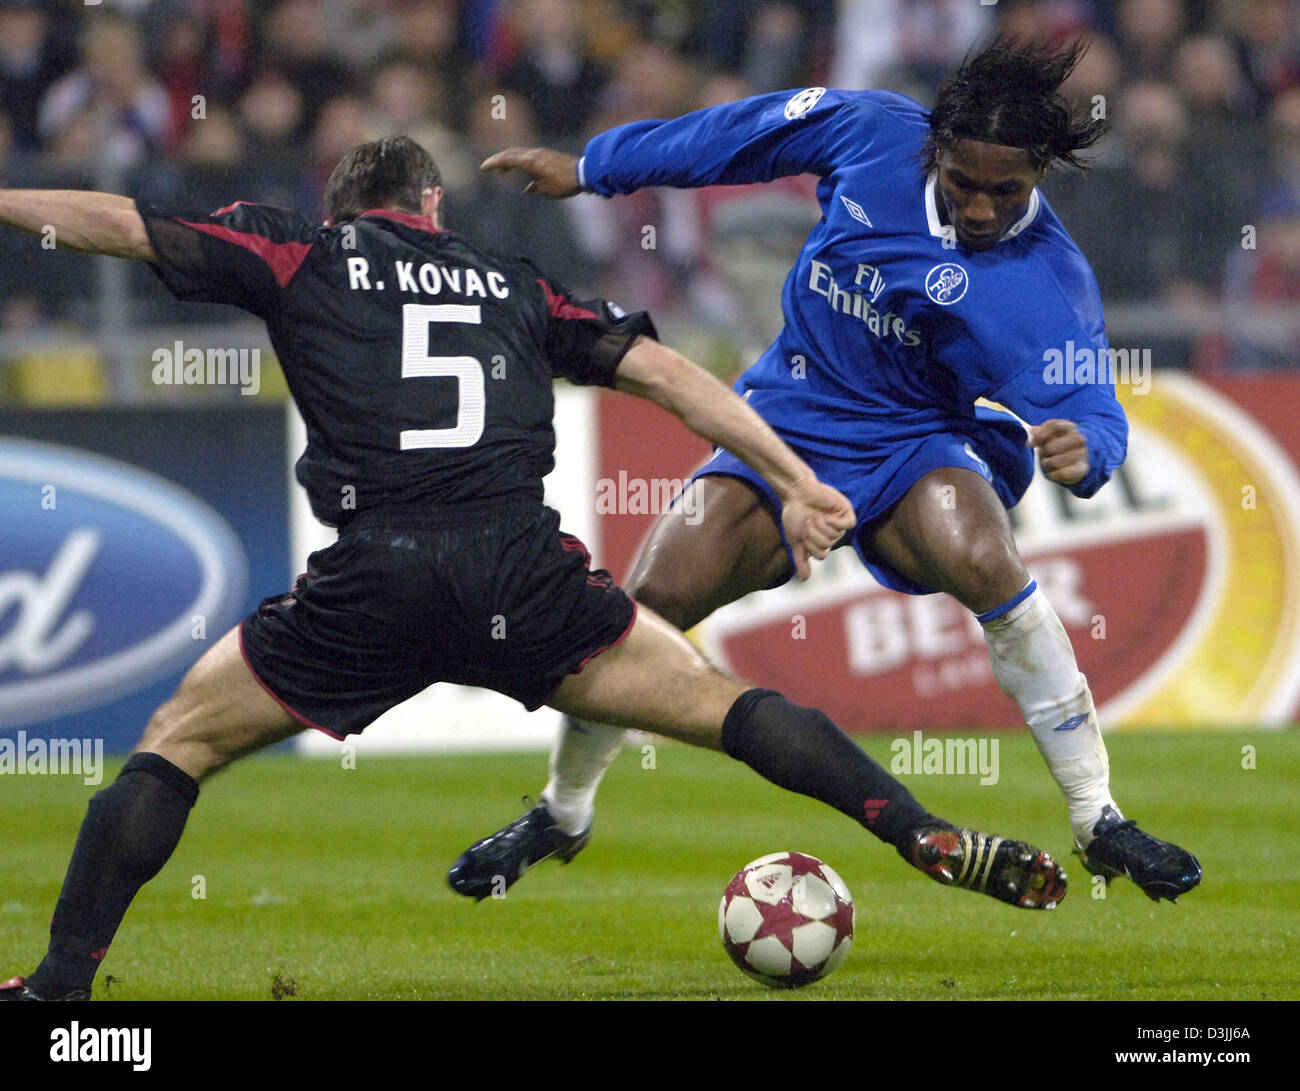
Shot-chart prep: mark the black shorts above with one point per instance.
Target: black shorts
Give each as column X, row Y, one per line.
column 498, row 598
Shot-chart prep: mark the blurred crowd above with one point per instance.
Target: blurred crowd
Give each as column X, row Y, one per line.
column 1193, row 200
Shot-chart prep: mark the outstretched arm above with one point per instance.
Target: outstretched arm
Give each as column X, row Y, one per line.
column 89, row 222
column 814, row 515
column 753, row 140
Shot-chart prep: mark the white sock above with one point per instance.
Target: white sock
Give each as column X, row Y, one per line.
column 581, row 756
column 1035, row 666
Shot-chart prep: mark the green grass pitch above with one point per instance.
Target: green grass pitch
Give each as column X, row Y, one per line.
column 328, row 883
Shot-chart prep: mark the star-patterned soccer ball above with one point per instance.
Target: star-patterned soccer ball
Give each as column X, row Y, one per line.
column 786, row 919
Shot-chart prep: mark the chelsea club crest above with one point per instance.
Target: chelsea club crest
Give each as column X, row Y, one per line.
column 946, row 283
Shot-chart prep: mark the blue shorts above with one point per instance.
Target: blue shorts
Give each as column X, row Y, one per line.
column 993, row 445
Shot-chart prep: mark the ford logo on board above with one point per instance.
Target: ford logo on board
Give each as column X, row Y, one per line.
column 111, row 578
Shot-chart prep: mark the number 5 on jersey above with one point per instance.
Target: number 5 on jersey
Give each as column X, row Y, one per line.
column 471, row 398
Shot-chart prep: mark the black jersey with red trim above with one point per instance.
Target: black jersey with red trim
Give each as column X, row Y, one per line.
column 421, row 365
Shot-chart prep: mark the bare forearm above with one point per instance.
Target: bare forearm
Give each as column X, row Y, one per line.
column 85, row 221
column 711, row 409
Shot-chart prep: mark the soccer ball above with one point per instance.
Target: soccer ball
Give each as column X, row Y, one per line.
column 786, row 919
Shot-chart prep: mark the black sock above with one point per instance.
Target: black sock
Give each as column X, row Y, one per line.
column 130, row 831
column 802, row 750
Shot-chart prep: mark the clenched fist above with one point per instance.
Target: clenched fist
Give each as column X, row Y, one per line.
column 1062, row 450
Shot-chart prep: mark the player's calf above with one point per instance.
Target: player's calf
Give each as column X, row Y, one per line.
column 130, row 830
column 132, row 826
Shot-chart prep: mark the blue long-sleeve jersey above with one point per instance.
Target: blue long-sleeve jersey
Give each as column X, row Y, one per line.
column 889, row 333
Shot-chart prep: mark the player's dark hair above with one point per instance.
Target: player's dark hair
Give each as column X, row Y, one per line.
column 1009, row 93
column 388, row 173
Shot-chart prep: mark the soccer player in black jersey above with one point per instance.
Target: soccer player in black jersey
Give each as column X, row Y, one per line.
column 423, row 367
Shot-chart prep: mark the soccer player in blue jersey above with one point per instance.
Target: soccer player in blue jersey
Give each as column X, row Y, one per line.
column 937, row 275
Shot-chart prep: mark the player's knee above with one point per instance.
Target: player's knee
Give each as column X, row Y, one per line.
column 163, row 725
column 984, row 571
column 176, row 731
column 672, row 601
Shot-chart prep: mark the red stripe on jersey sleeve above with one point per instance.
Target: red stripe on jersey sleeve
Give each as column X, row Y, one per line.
column 561, row 307
column 284, row 258
column 229, row 208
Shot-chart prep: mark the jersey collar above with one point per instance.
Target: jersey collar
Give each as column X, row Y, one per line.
column 936, row 227
column 420, row 223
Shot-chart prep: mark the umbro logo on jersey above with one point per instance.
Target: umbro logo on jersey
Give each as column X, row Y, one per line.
column 803, row 102
column 856, row 210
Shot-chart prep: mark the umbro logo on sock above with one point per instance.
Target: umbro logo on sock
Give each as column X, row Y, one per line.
column 1071, row 723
